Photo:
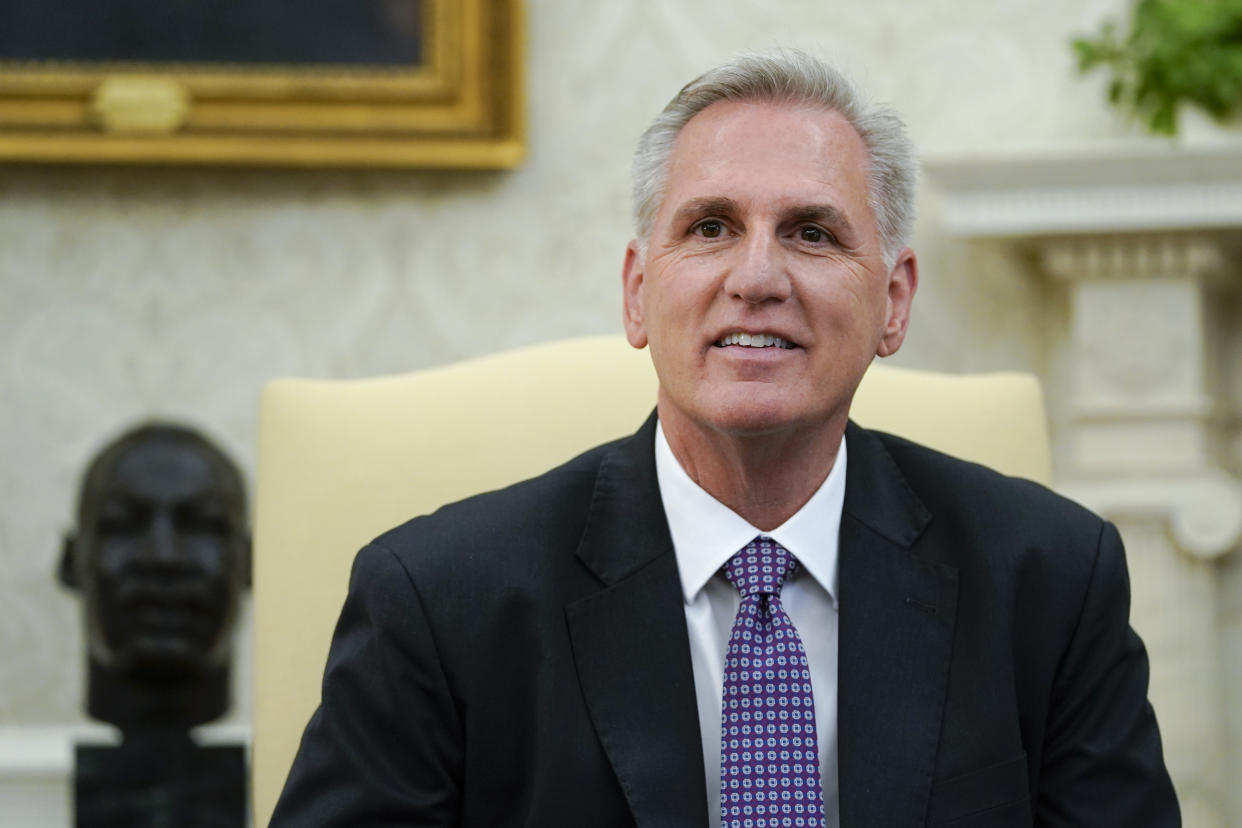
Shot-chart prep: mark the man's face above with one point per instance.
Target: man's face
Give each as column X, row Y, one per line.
column 764, row 231
column 160, row 557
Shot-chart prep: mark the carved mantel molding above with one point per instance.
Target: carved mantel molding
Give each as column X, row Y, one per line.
column 1135, row 257
column 1108, row 189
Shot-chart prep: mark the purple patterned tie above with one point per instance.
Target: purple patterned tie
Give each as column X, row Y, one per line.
column 769, row 755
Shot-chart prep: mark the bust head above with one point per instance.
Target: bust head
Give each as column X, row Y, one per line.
column 160, row 557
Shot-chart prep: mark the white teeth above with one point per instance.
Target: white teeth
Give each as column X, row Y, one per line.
column 747, row 340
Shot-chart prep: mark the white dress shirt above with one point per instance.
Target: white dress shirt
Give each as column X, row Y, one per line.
column 706, row 534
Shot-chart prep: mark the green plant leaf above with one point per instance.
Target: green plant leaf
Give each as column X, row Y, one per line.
column 1174, row 52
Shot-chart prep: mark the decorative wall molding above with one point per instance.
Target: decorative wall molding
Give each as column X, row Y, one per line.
column 1134, row 257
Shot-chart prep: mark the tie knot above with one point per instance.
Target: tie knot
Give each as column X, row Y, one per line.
column 761, row 567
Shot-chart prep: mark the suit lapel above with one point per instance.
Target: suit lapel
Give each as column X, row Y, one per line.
column 896, row 637
column 630, row 644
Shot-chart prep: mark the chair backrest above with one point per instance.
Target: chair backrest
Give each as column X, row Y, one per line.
column 341, row 461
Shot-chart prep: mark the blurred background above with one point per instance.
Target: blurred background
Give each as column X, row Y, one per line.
column 1056, row 235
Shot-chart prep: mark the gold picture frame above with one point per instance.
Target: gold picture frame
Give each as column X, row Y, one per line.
column 461, row 105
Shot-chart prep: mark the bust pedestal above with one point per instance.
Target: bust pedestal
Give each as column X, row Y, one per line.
column 160, row 779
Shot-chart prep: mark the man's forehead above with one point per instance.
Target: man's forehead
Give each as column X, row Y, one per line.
column 767, row 116
column 791, row 155
column 164, row 469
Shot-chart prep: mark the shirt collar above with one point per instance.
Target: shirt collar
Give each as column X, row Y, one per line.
column 706, row 533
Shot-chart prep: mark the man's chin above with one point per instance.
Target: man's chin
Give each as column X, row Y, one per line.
column 745, row 410
column 163, row 661
column 753, row 419
column 755, row 408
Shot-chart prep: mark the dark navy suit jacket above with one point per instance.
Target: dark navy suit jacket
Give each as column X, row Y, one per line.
column 521, row 659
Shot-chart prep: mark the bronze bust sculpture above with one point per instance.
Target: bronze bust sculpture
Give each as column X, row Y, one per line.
column 160, row 557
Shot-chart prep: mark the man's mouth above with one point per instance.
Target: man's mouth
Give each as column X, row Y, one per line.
column 759, row 340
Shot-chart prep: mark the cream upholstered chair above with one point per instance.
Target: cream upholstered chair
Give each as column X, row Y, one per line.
column 341, row 461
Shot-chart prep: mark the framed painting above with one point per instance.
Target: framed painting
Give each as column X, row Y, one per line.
column 395, row 83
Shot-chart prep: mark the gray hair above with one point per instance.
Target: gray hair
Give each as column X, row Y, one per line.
column 792, row 77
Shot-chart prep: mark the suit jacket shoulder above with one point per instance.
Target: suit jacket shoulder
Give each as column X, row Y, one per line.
column 949, row 486
column 995, row 521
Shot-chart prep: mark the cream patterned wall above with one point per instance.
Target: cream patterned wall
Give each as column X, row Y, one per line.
column 134, row 293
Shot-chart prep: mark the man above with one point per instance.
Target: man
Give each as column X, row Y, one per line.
column 752, row 612
column 160, row 556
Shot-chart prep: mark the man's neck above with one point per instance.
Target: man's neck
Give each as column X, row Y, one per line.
column 765, row 478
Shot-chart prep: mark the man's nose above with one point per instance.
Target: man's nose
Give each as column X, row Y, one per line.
column 759, row 273
column 163, row 542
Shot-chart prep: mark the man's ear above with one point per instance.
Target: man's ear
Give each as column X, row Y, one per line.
column 67, row 574
column 903, row 281
column 632, row 295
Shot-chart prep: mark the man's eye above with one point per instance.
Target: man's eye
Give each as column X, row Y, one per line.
column 204, row 524
column 811, row 234
column 120, row 522
column 710, row 229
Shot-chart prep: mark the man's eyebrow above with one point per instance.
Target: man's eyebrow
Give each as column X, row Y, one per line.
column 707, row 206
